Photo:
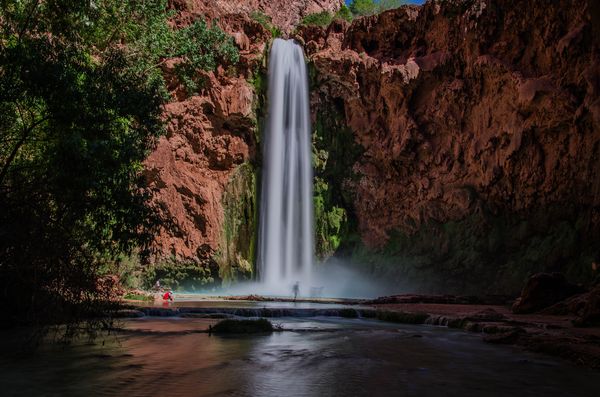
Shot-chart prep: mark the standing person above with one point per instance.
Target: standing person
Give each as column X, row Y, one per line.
column 296, row 289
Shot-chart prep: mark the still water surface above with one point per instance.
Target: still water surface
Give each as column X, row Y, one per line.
column 314, row 357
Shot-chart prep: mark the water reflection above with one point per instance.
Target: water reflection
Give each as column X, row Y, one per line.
column 321, row 357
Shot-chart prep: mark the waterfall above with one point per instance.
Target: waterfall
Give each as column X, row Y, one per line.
column 286, row 230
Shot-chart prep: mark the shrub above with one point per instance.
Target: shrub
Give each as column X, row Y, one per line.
column 319, row 19
column 363, row 7
column 180, row 276
column 344, row 13
column 267, row 23
column 82, row 96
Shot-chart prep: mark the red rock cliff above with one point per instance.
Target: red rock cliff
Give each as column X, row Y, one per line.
column 461, row 139
column 472, row 118
column 202, row 172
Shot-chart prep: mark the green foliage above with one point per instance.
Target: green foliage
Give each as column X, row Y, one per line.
column 318, row 19
column 180, row 276
column 344, row 13
column 258, row 326
column 81, row 99
column 363, row 7
column 334, row 154
column 371, row 7
column 484, row 253
column 385, row 5
column 129, row 269
column 138, row 297
column 199, row 46
column 238, row 240
column 266, row 22
column 329, row 220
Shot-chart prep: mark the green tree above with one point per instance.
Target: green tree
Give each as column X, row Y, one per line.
column 385, row 5
column 344, row 13
column 318, row 19
column 363, row 7
column 370, row 7
column 81, row 102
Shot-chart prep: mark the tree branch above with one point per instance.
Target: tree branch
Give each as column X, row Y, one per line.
column 15, row 151
column 29, row 16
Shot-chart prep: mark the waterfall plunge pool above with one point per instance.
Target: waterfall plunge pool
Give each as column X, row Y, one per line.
column 312, row 357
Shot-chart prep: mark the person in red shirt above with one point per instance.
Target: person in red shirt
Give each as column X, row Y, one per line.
column 168, row 296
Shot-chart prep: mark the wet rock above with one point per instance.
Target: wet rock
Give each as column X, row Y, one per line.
column 128, row 313
column 348, row 313
column 509, row 337
column 402, row 317
column 487, row 315
column 543, row 290
column 242, row 327
column 439, row 299
column 206, row 315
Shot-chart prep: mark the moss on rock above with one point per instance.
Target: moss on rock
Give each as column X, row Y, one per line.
column 334, row 154
column 238, row 237
column 484, row 253
column 181, row 276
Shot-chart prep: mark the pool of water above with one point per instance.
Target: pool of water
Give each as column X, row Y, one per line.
column 312, row 357
column 195, row 301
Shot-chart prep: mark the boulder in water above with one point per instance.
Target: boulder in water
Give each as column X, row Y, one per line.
column 243, row 327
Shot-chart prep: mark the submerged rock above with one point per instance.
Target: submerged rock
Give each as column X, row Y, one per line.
column 242, row 327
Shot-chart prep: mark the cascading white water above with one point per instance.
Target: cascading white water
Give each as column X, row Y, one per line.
column 286, row 230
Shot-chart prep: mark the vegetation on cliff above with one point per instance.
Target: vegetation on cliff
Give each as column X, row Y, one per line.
column 266, row 22
column 81, row 99
column 463, row 188
column 334, row 152
column 357, row 8
column 238, row 245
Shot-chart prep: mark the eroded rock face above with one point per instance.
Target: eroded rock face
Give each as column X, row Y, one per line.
column 473, row 113
column 202, row 173
column 285, row 14
column 461, row 139
column 209, row 136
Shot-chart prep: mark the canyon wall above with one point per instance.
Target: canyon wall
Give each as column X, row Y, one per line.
column 456, row 145
column 461, row 140
column 203, row 173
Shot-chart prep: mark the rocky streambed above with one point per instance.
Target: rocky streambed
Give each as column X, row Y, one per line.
column 554, row 335
column 322, row 355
